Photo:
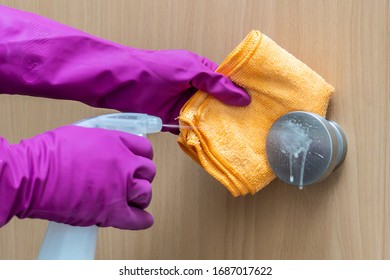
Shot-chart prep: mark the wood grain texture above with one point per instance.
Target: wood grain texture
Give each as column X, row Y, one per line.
column 347, row 216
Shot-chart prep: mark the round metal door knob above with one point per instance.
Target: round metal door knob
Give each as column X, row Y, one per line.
column 304, row 148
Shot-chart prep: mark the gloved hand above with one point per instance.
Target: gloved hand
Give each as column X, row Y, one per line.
column 78, row 176
column 41, row 57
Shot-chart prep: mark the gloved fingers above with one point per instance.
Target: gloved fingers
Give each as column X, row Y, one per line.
column 220, row 87
column 139, row 193
column 130, row 218
column 138, row 145
column 145, row 169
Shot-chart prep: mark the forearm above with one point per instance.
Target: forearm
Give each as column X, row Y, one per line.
column 40, row 57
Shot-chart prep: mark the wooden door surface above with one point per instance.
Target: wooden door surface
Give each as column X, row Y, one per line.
column 347, row 216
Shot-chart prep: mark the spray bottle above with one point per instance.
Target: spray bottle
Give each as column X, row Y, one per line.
column 65, row 242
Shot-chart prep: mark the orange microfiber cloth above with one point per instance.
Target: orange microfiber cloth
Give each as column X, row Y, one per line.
column 229, row 142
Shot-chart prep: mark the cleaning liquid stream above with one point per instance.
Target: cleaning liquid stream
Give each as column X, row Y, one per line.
column 177, row 126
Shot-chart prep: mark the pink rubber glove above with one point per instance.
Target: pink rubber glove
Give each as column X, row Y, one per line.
column 41, row 57
column 78, row 176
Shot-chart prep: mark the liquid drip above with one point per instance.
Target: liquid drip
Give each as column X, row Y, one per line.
column 303, row 166
column 290, row 165
column 295, row 143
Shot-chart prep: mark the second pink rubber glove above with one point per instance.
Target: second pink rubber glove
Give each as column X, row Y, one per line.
column 78, row 176
column 41, row 57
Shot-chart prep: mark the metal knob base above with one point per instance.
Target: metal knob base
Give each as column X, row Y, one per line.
column 304, row 148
